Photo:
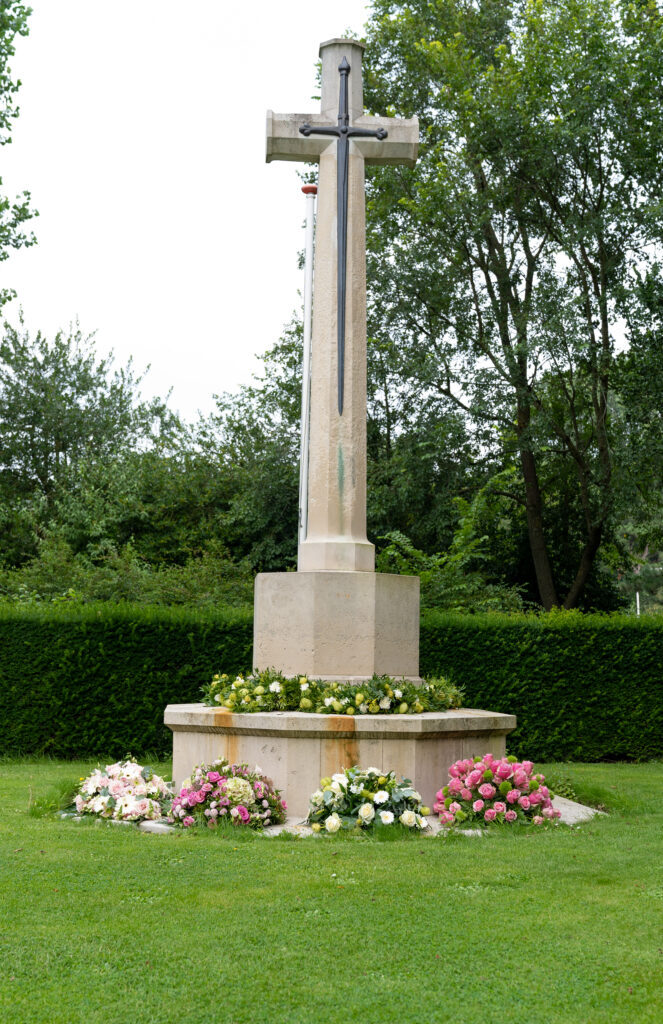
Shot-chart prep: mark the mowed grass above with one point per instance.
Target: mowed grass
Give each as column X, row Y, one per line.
column 104, row 925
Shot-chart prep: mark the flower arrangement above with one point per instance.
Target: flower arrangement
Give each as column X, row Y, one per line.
column 363, row 798
column 124, row 791
column 489, row 789
column 381, row 695
column 224, row 792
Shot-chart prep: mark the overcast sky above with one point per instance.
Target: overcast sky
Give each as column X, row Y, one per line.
column 141, row 139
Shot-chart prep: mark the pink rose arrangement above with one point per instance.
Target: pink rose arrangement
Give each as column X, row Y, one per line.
column 124, row 791
column 227, row 793
column 486, row 789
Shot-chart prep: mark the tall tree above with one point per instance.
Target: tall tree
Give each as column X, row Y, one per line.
column 501, row 264
column 13, row 212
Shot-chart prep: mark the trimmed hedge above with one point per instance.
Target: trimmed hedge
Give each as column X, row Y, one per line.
column 583, row 687
column 93, row 681
column 88, row 681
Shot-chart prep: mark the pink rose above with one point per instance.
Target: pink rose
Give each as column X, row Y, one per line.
column 504, row 770
column 439, row 796
column 510, row 816
column 535, row 798
column 523, row 802
column 487, row 790
column 446, row 818
column 466, row 794
column 488, row 760
column 284, row 805
column 520, row 779
column 548, row 812
column 213, row 776
column 188, row 821
column 243, row 813
column 207, row 787
column 527, row 767
column 544, row 791
column 490, row 814
column 454, row 771
column 477, row 806
column 499, row 807
column 537, row 819
column 455, row 787
column 512, row 796
column 558, row 813
column 453, row 807
column 438, row 807
column 474, row 778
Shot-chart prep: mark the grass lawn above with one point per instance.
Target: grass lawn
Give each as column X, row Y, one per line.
column 104, row 925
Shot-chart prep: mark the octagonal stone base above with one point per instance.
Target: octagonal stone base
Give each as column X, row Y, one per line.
column 296, row 750
column 337, row 625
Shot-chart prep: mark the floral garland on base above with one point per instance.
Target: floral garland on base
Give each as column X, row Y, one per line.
column 487, row 789
column 381, row 695
column 124, row 791
column 364, row 798
column 224, row 792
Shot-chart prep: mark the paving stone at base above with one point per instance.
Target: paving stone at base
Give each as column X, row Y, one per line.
column 156, row 828
column 574, row 813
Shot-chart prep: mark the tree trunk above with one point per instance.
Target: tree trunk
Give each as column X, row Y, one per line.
column 586, row 561
column 534, row 510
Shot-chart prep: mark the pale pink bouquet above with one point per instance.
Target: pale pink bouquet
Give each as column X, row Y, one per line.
column 488, row 789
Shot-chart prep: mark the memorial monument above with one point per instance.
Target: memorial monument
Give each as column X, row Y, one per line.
column 336, row 618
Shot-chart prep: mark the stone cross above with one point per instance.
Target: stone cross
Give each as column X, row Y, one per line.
column 341, row 139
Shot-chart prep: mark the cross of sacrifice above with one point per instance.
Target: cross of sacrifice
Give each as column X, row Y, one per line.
column 341, row 139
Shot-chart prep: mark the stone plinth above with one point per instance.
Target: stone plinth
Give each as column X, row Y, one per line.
column 337, row 625
column 296, row 750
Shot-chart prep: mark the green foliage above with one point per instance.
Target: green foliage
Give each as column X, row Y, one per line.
column 13, row 213
column 96, row 680
column 582, row 687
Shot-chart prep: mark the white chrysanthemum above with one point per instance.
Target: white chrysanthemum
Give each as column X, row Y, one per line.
column 340, row 777
column 386, row 817
column 367, row 812
column 408, row 818
column 329, row 701
column 363, row 708
column 275, row 687
column 385, row 703
column 303, row 686
column 333, row 823
column 398, row 694
column 356, row 788
column 381, row 797
column 421, row 821
column 317, row 798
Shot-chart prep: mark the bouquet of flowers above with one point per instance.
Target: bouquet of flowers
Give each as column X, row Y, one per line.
column 365, row 797
column 381, row 695
column 125, row 791
column 232, row 793
column 485, row 789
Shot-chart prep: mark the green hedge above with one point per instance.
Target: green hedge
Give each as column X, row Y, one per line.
column 88, row 681
column 583, row 687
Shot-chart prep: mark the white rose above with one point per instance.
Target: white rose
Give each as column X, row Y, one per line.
column 366, row 812
column 381, row 797
column 275, row 687
column 386, row 817
column 363, row 708
column 416, row 796
column 329, row 701
column 421, row 821
column 385, row 703
column 373, row 771
column 340, row 777
column 408, row 818
column 316, row 799
column 333, row 823
column 398, row 694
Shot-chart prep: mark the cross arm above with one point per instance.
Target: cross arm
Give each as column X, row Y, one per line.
column 400, row 146
column 284, row 141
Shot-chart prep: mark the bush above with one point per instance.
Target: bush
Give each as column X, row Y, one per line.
column 583, row 687
column 90, row 681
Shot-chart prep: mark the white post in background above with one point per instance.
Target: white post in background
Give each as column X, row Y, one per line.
column 310, row 191
column 637, row 602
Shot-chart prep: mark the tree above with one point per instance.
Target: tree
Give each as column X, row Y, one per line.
column 502, row 264
column 64, row 412
column 13, row 212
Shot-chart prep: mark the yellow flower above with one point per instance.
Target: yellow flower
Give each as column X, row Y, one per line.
column 316, row 827
column 374, row 707
column 425, row 811
column 359, row 699
column 382, row 780
column 350, row 711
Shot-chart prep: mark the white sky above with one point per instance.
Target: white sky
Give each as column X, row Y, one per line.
column 141, row 139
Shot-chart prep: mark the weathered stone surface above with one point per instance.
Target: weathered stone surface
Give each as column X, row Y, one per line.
column 296, row 750
column 337, row 625
column 157, row 828
column 573, row 813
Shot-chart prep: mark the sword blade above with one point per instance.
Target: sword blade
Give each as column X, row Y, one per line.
column 341, row 257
